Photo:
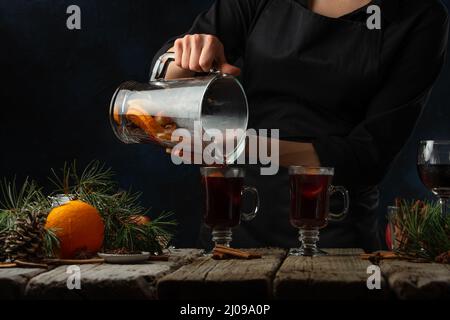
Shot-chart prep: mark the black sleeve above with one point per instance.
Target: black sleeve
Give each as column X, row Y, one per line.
column 229, row 20
column 363, row 157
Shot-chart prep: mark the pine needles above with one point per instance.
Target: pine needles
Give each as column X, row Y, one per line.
column 126, row 228
column 29, row 196
column 119, row 209
column 420, row 229
column 19, row 205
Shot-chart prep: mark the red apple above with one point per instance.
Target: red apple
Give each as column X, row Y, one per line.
column 388, row 237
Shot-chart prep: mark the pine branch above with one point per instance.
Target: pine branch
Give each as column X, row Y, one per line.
column 18, row 203
column 420, row 229
column 95, row 177
column 25, row 205
column 28, row 196
column 95, row 185
column 51, row 242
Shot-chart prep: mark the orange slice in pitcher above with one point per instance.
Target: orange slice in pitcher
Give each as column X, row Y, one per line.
column 166, row 137
column 117, row 117
column 143, row 120
column 163, row 120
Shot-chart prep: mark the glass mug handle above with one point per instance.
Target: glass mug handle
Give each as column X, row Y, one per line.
column 248, row 216
column 340, row 216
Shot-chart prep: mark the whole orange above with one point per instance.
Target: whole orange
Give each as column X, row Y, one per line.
column 79, row 228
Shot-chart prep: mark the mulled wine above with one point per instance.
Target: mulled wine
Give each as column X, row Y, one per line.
column 309, row 200
column 223, row 188
column 222, row 201
column 436, row 177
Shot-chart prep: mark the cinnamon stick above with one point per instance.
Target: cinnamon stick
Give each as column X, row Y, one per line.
column 73, row 261
column 219, row 256
column 26, row 264
column 7, row 265
column 236, row 253
column 231, row 252
column 379, row 255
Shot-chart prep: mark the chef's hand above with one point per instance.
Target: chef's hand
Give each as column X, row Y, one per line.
column 199, row 53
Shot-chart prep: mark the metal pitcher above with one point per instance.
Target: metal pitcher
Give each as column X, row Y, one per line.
column 151, row 112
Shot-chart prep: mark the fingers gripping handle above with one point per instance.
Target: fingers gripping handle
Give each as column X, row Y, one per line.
column 160, row 69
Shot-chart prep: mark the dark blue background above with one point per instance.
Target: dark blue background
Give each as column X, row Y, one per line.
column 57, row 84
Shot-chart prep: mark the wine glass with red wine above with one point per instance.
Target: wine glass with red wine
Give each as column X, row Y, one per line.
column 434, row 169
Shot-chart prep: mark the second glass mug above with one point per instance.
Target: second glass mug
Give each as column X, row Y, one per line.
column 310, row 189
column 223, row 188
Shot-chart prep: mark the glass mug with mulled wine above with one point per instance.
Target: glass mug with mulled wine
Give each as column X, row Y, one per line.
column 202, row 106
column 310, row 189
column 223, row 189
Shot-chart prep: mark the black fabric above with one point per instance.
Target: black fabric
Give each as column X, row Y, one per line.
column 355, row 93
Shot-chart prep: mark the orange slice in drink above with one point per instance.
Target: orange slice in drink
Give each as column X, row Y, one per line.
column 216, row 174
column 312, row 192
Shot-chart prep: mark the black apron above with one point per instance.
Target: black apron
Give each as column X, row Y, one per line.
column 325, row 71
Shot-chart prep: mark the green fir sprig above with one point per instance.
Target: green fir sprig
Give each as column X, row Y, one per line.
column 126, row 228
column 21, row 203
column 118, row 208
column 420, row 229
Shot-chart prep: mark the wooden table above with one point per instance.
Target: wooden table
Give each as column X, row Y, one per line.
column 189, row 275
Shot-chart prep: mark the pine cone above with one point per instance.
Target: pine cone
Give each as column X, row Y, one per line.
column 26, row 240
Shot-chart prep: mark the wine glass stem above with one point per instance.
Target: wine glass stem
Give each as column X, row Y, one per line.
column 444, row 206
column 222, row 236
column 309, row 239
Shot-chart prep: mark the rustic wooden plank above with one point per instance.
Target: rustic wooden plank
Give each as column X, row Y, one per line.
column 410, row 280
column 209, row 279
column 340, row 275
column 107, row 281
column 13, row 281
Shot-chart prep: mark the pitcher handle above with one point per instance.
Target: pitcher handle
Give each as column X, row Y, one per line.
column 161, row 65
column 160, row 68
